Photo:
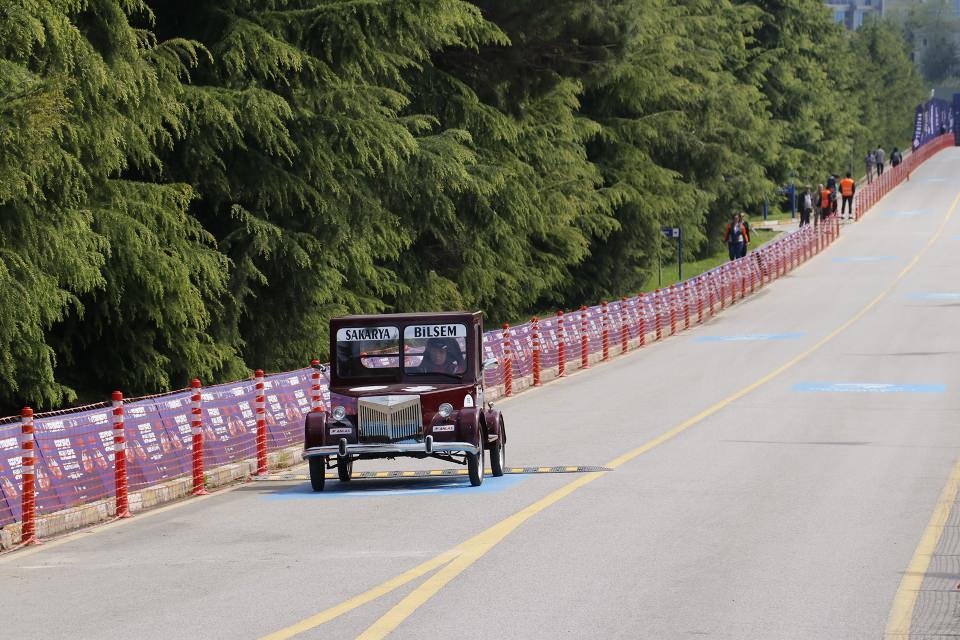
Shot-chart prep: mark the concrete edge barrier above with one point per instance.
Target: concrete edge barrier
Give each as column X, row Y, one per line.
column 60, row 522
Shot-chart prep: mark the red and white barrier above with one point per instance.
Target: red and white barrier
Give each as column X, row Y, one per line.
column 28, row 505
column 507, row 362
column 316, row 397
column 259, row 406
column 196, row 430
column 120, row 457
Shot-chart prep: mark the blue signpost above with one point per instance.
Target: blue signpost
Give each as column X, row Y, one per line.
column 673, row 232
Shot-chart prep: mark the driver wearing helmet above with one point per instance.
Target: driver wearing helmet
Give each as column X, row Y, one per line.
column 440, row 356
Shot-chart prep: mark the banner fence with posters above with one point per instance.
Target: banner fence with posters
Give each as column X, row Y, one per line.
column 75, row 447
column 933, row 119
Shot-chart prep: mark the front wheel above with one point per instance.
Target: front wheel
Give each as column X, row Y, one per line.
column 318, row 473
column 475, row 463
column 498, row 454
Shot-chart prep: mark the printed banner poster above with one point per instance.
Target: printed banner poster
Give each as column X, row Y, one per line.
column 9, row 473
column 74, row 459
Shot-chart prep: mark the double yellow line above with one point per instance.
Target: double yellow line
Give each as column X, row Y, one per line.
column 453, row 562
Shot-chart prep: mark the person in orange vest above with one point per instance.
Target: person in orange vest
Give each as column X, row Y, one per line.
column 736, row 237
column 823, row 203
column 847, row 188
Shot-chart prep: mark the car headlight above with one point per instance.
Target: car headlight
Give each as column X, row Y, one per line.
column 339, row 413
column 445, row 410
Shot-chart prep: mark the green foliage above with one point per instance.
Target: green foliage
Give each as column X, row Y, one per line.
column 193, row 188
column 888, row 87
column 932, row 30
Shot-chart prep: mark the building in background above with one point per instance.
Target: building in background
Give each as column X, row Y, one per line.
column 852, row 14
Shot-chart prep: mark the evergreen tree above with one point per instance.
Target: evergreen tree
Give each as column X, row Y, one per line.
column 112, row 280
column 804, row 68
column 297, row 127
column 888, row 87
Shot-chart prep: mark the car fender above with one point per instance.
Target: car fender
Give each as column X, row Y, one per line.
column 491, row 419
column 314, row 428
column 468, row 425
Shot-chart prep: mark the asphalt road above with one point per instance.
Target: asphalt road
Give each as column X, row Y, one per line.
column 760, row 488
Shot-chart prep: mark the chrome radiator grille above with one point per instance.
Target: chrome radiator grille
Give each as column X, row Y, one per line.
column 390, row 418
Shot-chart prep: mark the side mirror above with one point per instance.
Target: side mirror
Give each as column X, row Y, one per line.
column 322, row 368
column 492, row 363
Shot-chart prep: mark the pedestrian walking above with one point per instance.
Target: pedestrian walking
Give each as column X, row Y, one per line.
column 806, row 206
column 832, row 188
column 847, row 188
column 871, row 162
column 745, row 221
column 823, row 203
column 735, row 236
column 881, row 157
column 896, row 157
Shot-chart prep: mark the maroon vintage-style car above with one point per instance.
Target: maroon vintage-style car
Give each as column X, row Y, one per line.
column 405, row 385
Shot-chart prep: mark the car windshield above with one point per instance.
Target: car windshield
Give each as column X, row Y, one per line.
column 368, row 352
column 435, row 349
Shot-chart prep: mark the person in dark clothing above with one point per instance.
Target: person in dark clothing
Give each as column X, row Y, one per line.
column 896, row 157
column 823, row 202
column 832, row 188
column 806, row 206
column 749, row 233
column 847, row 188
column 735, row 236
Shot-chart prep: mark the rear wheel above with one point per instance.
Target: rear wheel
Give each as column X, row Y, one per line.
column 345, row 469
column 318, row 473
column 475, row 463
column 498, row 454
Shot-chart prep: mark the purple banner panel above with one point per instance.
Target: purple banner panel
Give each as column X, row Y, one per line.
column 75, row 459
column 287, row 398
column 10, row 478
column 230, row 423
column 158, row 439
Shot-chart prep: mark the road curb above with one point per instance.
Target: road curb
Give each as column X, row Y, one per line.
column 67, row 520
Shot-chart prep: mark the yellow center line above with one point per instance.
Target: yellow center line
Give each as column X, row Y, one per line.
column 901, row 613
column 364, row 598
column 458, row 559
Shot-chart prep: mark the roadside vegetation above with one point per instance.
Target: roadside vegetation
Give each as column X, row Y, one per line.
column 195, row 188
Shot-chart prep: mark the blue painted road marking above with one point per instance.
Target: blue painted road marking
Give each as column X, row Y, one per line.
column 908, row 214
column 863, row 258
column 934, row 296
column 750, row 337
column 868, row 387
column 388, row 488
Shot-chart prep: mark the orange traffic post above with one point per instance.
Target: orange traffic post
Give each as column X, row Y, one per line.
column 259, row 404
column 316, row 394
column 120, row 457
column 196, row 428
column 606, row 331
column 624, row 326
column 28, row 504
column 657, row 305
column 672, row 301
column 535, row 325
column 584, row 341
column 507, row 363
column 641, row 322
column 561, row 346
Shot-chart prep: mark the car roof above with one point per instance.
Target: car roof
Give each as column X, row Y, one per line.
column 406, row 317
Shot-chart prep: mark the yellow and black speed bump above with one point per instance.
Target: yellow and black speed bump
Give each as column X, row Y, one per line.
column 431, row 473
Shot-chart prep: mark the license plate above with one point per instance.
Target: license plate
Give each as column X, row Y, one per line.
column 341, row 431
